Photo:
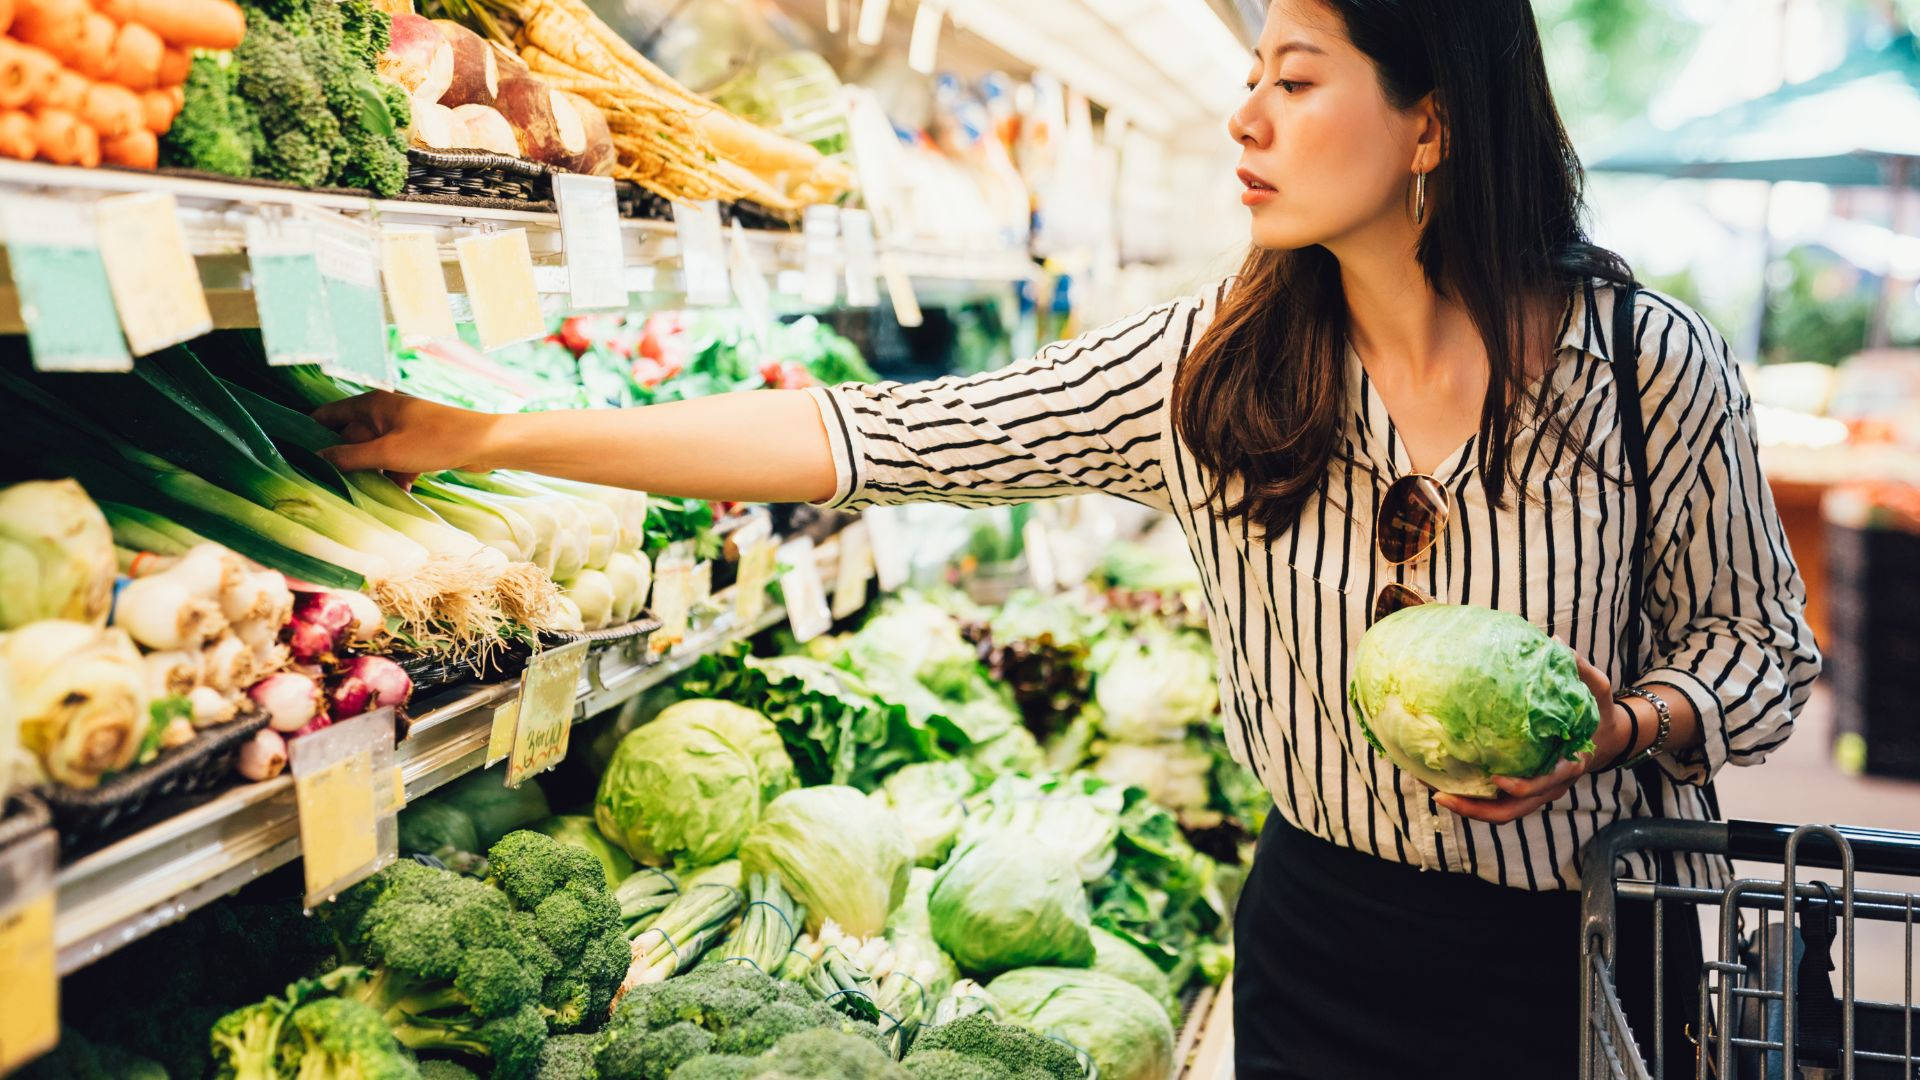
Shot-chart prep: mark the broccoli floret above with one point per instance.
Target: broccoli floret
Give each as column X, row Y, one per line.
column 216, row 130
column 772, row 1022
column 248, row 1043
column 568, row 1057
column 566, row 912
column 826, row 1054
column 299, row 134
column 445, row 1070
column 341, row 1039
column 1011, row 1047
column 77, row 1057
column 948, row 1065
column 513, row 1042
column 720, row 1067
column 665, row 1049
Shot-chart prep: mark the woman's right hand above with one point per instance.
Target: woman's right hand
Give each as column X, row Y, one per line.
column 405, row 436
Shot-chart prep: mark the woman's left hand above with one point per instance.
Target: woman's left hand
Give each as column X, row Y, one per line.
column 1520, row 797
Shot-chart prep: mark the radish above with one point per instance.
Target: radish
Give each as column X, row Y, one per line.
column 418, row 58
column 476, row 69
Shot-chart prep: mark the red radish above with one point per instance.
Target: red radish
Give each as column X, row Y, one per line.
column 311, row 643
column 476, row 68
column 418, row 58
column 348, row 697
column 313, row 725
column 481, row 127
column 386, row 682
column 264, row 756
column 291, row 700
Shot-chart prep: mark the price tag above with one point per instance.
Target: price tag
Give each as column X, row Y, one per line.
column 349, row 256
column 156, row 284
column 833, row 16
column 702, row 588
column 892, row 558
column 66, row 301
column 750, row 286
column 855, row 570
column 906, row 306
column 506, row 716
column 759, row 555
column 703, row 256
column 343, row 787
column 806, row 597
column 287, row 292
column 1037, row 540
column 873, row 22
column 29, row 983
column 416, row 287
column 590, row 235
column 672, row 596
column 922, row 46
column 498, row 270
column 820, row 236
column 863, row 272
column 548, row 690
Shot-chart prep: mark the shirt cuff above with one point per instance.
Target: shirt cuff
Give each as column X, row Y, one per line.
column 843, row 442
column 1695, row 764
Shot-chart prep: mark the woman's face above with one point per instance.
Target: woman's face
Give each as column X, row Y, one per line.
column 1323, row 155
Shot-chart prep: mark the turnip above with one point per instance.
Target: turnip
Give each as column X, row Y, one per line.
column 476, row 68
column 481, row 127
column 418, row 58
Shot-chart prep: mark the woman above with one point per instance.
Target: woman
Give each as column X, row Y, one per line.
column 1420, row 302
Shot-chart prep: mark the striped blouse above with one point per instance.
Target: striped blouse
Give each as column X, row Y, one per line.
column 1723, row 596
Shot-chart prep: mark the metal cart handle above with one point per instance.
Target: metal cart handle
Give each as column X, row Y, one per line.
column 1883, row 851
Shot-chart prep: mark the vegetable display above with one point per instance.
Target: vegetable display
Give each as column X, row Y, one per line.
column 1457, row 694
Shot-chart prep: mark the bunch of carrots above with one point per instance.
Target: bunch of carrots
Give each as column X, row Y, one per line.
column 82, row 83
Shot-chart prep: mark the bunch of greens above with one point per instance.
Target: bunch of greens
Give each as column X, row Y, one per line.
column 912, row 652
column 1162, row 896
column 1037, row 646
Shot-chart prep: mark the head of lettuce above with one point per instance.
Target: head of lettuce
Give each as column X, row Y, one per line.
column 1456, row 695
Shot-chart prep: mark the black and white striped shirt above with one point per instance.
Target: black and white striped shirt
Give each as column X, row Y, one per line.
column 1723, row 596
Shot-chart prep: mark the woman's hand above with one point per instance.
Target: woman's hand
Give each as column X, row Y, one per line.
column 1520, row 797
column 405, row 436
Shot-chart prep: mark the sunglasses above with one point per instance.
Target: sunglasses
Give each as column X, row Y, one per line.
column 1412, row 517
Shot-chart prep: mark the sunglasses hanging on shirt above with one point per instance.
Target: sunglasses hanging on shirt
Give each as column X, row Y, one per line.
column 1412, row 517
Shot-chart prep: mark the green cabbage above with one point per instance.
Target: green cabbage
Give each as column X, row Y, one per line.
column 1004, row 902
column 930, row 800
column 1153, row 685
column 1116, row 956
column 579, row 830
column 1121, row 1026
column 838, row 853
column 1078, row 817
column 691, row 784
column 494, row 808
column 910, row 932
column 1456, row 694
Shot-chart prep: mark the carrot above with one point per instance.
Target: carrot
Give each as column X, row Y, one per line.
column 16, row 136
column 65, row 140
column 195, row 24
column 65, row 90
column 135, row 149
column 24, row 73
column 93, row 53
column 112, row 110
column 174, row 64
column 159, row 107
column 136, row 57
column 6, row 15
column 54, row 25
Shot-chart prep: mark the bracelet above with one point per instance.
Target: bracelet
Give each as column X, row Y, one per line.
column 1633, row 739
column 1660, row 734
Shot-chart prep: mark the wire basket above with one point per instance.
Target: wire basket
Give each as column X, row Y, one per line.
column 86, row 815
column 476, row 177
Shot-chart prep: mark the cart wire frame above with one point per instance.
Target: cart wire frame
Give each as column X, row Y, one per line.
column 1732, row 979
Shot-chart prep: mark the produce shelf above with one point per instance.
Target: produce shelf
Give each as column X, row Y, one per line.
column 156, row 876
column 214, row 214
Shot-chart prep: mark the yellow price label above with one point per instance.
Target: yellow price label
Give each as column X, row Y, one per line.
column 498, row 270
column 29, row 987
column 548, row 690
column 506, row 717
column 416, row 286
column 672, row 604
column 156, row 285
column 336, row 820
column 757, row 564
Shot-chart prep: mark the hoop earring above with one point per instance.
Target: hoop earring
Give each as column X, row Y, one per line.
column 1419, row 198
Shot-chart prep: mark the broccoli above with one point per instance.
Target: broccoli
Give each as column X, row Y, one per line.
column 772, row 1022
column 568, row 1057
column 216, row 131
column 341, row 1039
column 248, row 1043
column 948, row 1065
column 446, row 1070
column 826, row 1054
column 739, row 1010
column 298, row 133
column 1013, row 1048
column 562, row 892
column 79, row 1058
column 663, row 1050
column 720, row 1067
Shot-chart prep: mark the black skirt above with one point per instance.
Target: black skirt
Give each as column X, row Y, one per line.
column 1353, row 967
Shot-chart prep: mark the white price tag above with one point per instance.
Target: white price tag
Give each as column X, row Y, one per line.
column 805, row 595
column 416, row 286
column 156, row 284
column 672, row 596
column 750, row 285
column 349, row 256
column 759, row 557
column 1037, row 540
column 854, row 571
column 545, row 717
column 892, row 557
column 863, row 270
column 873, row 22
column 833, row 16
column 590, row 233
column 922, row 46
column 820, row 233
column 906, row 305
column 703, row 257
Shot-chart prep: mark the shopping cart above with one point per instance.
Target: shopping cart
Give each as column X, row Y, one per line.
column 1758, row 1019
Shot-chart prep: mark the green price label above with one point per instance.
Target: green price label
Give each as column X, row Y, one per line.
column 68, row 310
column 296, row 324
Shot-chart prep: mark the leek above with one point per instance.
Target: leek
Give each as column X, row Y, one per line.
column 138, row 530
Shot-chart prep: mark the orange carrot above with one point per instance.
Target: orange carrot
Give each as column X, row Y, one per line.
column 112, row 110
column 24, row 73
column 135, row 62
column 195, row 24
column 64, row 139
column 173, row 65
column 54, row 25
column 65, row 90
column 136, row 149
column 92, row 55
column 159, row 107
column 16, row 136
column 6, row 15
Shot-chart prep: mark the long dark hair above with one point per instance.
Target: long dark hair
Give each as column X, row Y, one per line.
column 1261, row 397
